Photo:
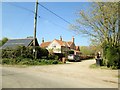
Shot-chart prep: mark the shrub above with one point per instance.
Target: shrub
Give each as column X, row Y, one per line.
column 113, row 57
column 53, row 56
column 3, row 41
column 4, row 54
column 28, row 61
column 44, row 52
column 56, row 57
column 18, row 59
column 55, row 62
column 5, row 61
column 24, row 52
column 41, row 52
column 71, row 52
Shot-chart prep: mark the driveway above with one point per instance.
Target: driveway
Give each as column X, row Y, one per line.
column 70, row 75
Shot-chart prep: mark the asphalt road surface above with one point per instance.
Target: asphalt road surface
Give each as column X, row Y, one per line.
column 70, row 75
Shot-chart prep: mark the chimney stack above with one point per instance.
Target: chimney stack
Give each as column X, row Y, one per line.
column 42, row 40
column 73, row 39
column 60, row 38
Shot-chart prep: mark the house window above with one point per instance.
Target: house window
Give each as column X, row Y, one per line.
column 54, row 46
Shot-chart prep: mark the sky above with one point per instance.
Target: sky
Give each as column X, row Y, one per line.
column 19, row 22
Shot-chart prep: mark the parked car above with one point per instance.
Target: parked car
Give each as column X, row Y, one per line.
column 72, row 57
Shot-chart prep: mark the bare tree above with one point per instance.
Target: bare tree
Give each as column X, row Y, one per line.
column 101, row 23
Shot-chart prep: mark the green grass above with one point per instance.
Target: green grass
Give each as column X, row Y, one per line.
column 94, row 66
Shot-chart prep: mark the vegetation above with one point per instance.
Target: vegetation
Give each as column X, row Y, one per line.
column 94, row 66
column 85, row 57
column 101, row 23
column 22, row 55
column 24, row 52
column 3, row 41
column 71, row 52
column 28, row 61
column 89, row 50
column 111, row 56
column 53, row 56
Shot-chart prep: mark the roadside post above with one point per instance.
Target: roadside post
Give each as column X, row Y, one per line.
column 98, row 59
column 64, row 60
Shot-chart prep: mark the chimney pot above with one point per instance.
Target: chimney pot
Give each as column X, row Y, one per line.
column 42, row 40
column 73, row 39
column 60, row 38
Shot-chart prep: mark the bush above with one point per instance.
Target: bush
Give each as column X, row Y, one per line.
column 28, row 61
column 24, row 52
column 113, row 57
column 71, row 52
column 55, row 62
column 3, row 41
column 24, row 61
column 5, row 61
column 56, row 57
column 53, row 56
column 18, row 59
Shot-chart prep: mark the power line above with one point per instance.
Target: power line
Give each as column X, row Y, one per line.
column 54, row 13
column 39, row 15
column 53, row 23
column 22, row 8
column 33, row 13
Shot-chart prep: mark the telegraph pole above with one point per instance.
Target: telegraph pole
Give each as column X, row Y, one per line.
column 35, row 26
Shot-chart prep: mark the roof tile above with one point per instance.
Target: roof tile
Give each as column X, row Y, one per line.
column 44, row 44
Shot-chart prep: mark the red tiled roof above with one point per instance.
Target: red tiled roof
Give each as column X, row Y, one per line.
column 45, row 44
column 69, row 43
column 62, row 43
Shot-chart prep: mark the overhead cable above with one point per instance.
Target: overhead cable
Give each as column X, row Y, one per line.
column 54, row 13
column 22, row 8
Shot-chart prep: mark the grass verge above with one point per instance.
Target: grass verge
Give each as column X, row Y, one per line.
column 18, row 66
column 94, row 66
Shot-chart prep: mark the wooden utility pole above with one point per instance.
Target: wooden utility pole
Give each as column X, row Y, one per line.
column 35, row 26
